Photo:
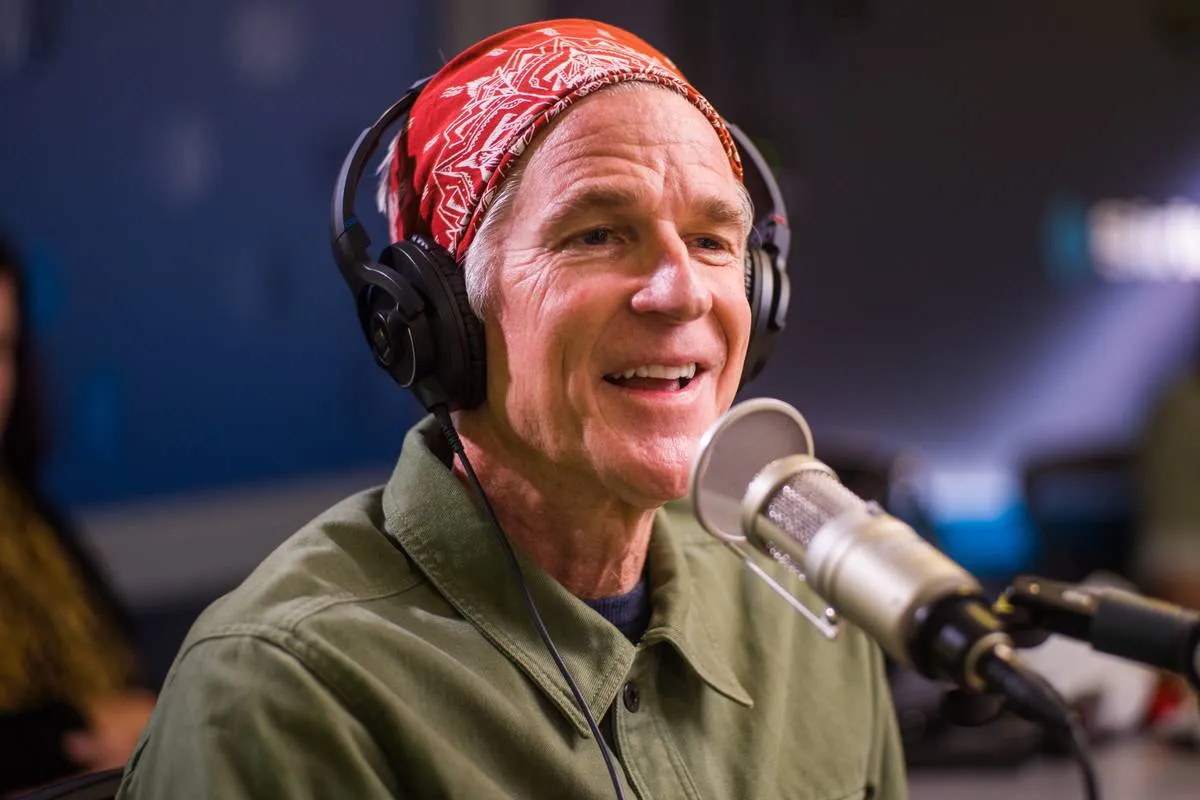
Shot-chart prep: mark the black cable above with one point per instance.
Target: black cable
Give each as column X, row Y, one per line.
column 1077, row 740
column 443, row 418
column 1030, row 695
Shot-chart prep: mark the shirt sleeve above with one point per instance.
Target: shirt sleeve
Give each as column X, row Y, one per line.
column 244, row 717
column 888, row 774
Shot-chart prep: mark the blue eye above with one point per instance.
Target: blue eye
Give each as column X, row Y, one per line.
column 597, row 236
column 708, row 243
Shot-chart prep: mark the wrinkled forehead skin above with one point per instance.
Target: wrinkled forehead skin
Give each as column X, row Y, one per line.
column 479, row 113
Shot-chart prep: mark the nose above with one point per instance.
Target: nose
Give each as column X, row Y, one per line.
column 674, row 288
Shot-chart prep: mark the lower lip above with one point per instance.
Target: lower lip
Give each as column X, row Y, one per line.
column 659, row 395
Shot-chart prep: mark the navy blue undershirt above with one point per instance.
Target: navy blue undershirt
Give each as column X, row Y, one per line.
column 629, row 612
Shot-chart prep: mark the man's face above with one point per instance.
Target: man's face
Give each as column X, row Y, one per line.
column 619, row 320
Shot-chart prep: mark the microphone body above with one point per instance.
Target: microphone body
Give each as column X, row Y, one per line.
column 1114, row 621
column 754, row 481
column 924, row 610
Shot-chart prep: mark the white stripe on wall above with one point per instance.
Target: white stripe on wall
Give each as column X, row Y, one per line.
column 167, row 549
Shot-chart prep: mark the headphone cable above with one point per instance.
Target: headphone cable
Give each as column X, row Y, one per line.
column 448, row 431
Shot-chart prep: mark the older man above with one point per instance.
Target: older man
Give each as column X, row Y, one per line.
column 386, row 650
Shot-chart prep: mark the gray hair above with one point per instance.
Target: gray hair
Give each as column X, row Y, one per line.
column 483, row 256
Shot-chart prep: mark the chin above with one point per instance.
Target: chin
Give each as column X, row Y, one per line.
column 664, row 489
column 650, row 479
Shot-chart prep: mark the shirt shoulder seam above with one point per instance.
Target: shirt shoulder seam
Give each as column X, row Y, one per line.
column 313, row 606
column 308, row 657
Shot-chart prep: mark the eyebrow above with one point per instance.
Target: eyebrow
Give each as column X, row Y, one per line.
column 721, row 212
column 711, row 208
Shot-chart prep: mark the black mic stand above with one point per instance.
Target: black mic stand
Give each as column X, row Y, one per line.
column 1110, row 620
column 1113, row 621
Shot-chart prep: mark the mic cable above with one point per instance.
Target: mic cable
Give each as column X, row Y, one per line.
column 1031, row 696
column 755, row 481
column 442, row 413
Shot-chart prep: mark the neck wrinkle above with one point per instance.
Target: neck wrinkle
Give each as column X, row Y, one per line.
column 592, row 543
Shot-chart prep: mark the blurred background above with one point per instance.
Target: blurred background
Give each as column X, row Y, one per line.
column 996, row 251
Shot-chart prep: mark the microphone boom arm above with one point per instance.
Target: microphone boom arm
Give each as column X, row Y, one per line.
column 1111, row 620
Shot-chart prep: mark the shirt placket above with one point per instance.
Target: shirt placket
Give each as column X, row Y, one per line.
column 644, row 743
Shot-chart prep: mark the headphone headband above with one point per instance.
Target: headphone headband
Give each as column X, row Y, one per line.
column 350, row 239
column 767, row 286
column 773, row 230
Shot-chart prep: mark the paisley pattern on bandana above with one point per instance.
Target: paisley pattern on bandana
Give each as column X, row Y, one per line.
column 480, row 112
column 56, row 641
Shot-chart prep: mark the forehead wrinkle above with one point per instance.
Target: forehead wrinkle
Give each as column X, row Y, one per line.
column 587, row 165
column 603, row 198
column 709, row 208
column 575, row 141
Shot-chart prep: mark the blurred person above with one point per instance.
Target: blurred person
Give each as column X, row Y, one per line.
column 591, row 200
column 1169, row 475
column 69, row 702
column 1168, row 543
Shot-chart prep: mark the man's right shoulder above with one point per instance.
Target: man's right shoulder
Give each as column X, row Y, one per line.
column 340, row 561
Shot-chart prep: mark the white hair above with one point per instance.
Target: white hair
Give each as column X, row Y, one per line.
column 483, row 256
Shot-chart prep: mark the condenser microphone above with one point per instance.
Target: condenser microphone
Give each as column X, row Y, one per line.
column 755, row 481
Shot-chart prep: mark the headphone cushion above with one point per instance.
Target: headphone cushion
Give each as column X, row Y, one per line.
column 470, row 389
column 476, row 390
column 759, row 294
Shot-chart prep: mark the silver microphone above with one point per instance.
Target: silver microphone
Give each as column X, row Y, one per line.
column 754, row 480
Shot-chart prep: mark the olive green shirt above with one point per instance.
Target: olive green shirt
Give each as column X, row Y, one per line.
column 385, row 650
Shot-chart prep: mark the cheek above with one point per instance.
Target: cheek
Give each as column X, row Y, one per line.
column 535, row 335
column 733, row 315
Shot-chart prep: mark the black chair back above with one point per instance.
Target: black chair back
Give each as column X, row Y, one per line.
column 93, row 786
column 1083, row 506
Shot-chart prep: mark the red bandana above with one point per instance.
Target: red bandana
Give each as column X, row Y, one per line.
column 480, row 111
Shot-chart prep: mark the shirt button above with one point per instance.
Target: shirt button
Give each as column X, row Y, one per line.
column 632, row 697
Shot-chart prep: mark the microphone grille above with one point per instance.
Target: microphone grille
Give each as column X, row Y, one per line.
column 807, row 501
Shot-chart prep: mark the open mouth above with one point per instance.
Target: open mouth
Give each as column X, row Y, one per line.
column 654, row 378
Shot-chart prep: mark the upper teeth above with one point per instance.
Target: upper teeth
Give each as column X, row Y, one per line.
column 687, row 371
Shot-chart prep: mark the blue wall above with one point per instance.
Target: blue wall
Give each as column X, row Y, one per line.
column 171, row 170
column 168, row 168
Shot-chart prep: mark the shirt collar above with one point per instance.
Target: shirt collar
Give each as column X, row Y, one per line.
column 700, row 624
column 440, row 526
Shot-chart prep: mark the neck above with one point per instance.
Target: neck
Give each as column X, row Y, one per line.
column 590, row 541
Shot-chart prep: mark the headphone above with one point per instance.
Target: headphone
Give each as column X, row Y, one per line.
column 412, row 301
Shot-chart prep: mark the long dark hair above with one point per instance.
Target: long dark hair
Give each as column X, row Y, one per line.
column 21, row 450
column 24, row 443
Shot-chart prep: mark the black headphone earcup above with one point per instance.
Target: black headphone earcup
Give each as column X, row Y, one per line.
column 460, row 372
column 391, row 314
column 471, row 385
column 768, row 292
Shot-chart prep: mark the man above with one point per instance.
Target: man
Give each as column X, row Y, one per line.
column 594, row 199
